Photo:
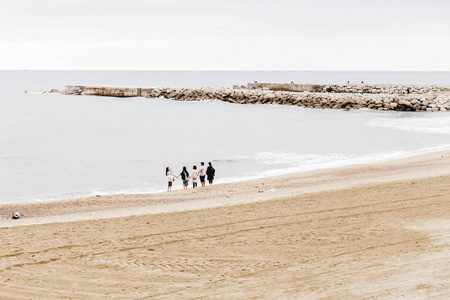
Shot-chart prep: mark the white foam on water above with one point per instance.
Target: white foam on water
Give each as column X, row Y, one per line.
column 439, row 124
column 303, row 163
column 271, row 158
column 297, row 162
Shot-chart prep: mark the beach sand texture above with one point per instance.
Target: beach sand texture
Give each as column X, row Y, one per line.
column 372, row 231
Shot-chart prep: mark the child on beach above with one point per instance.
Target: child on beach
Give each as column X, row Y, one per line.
column 194, row 177
column 185, row 177
column 170, row 178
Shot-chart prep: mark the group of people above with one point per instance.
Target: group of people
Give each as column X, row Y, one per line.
column 201, row 173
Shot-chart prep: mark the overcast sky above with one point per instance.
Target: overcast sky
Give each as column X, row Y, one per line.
column 411, row 35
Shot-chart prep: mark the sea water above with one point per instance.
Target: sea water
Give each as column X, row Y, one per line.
column 56, row 147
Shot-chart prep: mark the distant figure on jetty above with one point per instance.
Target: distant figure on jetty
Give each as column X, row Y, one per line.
column 210, row 172
column 170, row 178
column 194, row 176
column 202, row 173
column 185, row 177
column 362, row 88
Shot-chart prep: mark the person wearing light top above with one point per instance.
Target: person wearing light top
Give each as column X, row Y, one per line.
column 170, row 178
column 194, row 176
column 202, row 173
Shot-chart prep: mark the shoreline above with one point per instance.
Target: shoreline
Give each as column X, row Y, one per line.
column 369, row 231
column 349, row 162
column 427, row 165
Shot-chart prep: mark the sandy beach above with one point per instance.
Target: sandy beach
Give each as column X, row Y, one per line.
column 365, row 231
column 327, row 124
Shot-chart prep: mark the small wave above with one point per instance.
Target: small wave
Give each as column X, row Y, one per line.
column 439, row 125
column 129, row 191
column 309, row 162
column 281, row 158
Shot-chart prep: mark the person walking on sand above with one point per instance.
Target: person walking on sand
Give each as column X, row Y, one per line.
column 170, row 178
column 194, row 176
column 185, row 177
column 202, row 173
column 210, row 172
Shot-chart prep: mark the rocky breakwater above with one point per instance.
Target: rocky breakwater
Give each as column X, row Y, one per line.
column 346, row 101
column 351, row 88
column 382, row 89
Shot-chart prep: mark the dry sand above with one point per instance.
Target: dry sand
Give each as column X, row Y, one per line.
column 371, row 231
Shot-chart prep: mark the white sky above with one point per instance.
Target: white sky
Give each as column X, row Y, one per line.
column 410, row 35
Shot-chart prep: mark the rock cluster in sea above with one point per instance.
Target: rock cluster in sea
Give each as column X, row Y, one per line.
column 415, row 100
column 380, row 89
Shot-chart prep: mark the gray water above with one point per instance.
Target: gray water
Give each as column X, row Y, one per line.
column 56, row 146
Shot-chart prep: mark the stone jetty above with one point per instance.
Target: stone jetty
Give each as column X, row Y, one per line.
column 351, row 88
column 379, row 97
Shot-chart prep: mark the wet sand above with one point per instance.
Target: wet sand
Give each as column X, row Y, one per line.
column 368, row 231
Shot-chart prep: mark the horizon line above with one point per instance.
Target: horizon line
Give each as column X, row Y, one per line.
column 218, row 70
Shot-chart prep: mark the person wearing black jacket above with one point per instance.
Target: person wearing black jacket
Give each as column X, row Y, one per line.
column 210, row 173
column 185, row 177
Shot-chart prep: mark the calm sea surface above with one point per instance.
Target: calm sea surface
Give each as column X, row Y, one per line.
column 56, row 146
